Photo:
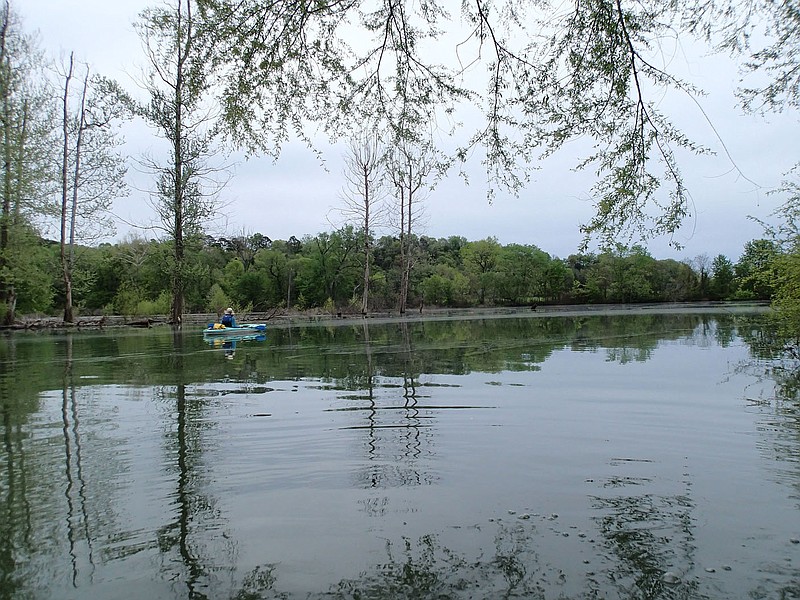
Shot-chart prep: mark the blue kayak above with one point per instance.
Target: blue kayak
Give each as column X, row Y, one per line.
column 243, row 329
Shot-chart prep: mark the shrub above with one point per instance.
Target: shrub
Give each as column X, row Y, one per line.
column 217, row 300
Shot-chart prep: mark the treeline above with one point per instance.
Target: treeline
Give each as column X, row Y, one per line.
column 255, row 273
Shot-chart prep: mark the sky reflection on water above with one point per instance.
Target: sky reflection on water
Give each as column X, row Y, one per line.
column 573, row 457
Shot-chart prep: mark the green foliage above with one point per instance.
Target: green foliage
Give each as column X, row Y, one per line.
column 27, row 173
column 722, row 284
column 781, row 259
column 445, row 287
column 150, row 308
column 787, row 297
column 29, row 267
column 755, row 271
column 542, row 73
column 126, row 300
column 131, row 277
column 217, row 300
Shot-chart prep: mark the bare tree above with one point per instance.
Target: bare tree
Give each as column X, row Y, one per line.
column 363, row 196
column 92, row 172
column 410, row 168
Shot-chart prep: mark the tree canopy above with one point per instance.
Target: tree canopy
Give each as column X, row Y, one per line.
column 542, row 74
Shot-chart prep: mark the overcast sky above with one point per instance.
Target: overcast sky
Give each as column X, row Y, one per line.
column 296, row 195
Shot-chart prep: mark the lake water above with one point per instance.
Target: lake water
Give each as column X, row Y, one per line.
column 627, row 456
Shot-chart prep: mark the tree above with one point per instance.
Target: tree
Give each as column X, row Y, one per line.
column 674, row 281
column 245, row 246
column 523, row 274
column 632, row 269
column 699, row 265
column 92, row 171
column 785, row 263
column 543, row 74
column 409, row 168
column 722, row 278
column 331, row 268
column 363, row 197
column 178, row 83
column 755, row 270
column 482, row 257
column 26, row 144
column 446, row 286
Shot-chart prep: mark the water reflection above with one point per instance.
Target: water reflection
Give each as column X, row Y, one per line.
column 438, row 453
column 228, row 344
column 77, row 513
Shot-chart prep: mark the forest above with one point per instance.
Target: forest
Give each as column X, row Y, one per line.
column 248, row 76
column 325, row 271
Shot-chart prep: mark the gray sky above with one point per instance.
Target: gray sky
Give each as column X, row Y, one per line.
column 295, row 195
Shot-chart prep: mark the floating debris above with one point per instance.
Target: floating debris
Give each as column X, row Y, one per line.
column 670, row 578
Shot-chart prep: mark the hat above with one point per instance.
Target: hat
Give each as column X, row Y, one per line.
column 229, row 311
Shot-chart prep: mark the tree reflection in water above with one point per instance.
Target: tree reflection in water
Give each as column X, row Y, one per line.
column 396, row 443
column 65, row 475
column 77, row 516
column 205, row 550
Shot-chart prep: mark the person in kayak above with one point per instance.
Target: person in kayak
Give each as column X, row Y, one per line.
column 228, row 319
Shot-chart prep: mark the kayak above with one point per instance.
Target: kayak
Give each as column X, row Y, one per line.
column 229, row 342
column 243, row 329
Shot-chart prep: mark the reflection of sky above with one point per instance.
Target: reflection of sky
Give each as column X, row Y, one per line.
column 545, row 467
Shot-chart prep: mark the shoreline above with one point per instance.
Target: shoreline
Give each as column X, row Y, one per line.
column 290, row 318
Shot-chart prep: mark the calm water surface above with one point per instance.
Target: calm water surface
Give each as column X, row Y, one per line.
column 636, row 456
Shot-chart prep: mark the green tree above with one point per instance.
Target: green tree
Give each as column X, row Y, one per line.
column 481, row 260
column 786, row 264
column 522, row 274
column 27, row 175
column 245, row 247
column 621, row 274
column 178, row 83
column 722, row 278
column 632, row 270
column 275, row 265
column 674, row 281
column 446, row 286
column 556, row 280
column 755, row 270
column 331, row 271
column 217, row 300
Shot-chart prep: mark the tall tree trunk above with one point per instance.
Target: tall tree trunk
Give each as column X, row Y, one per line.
column 7, row 291
column 76, row 180
column 6, row 283
column 65, row 270
column 178, row 283
column 403, row 283
column 367, row 200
